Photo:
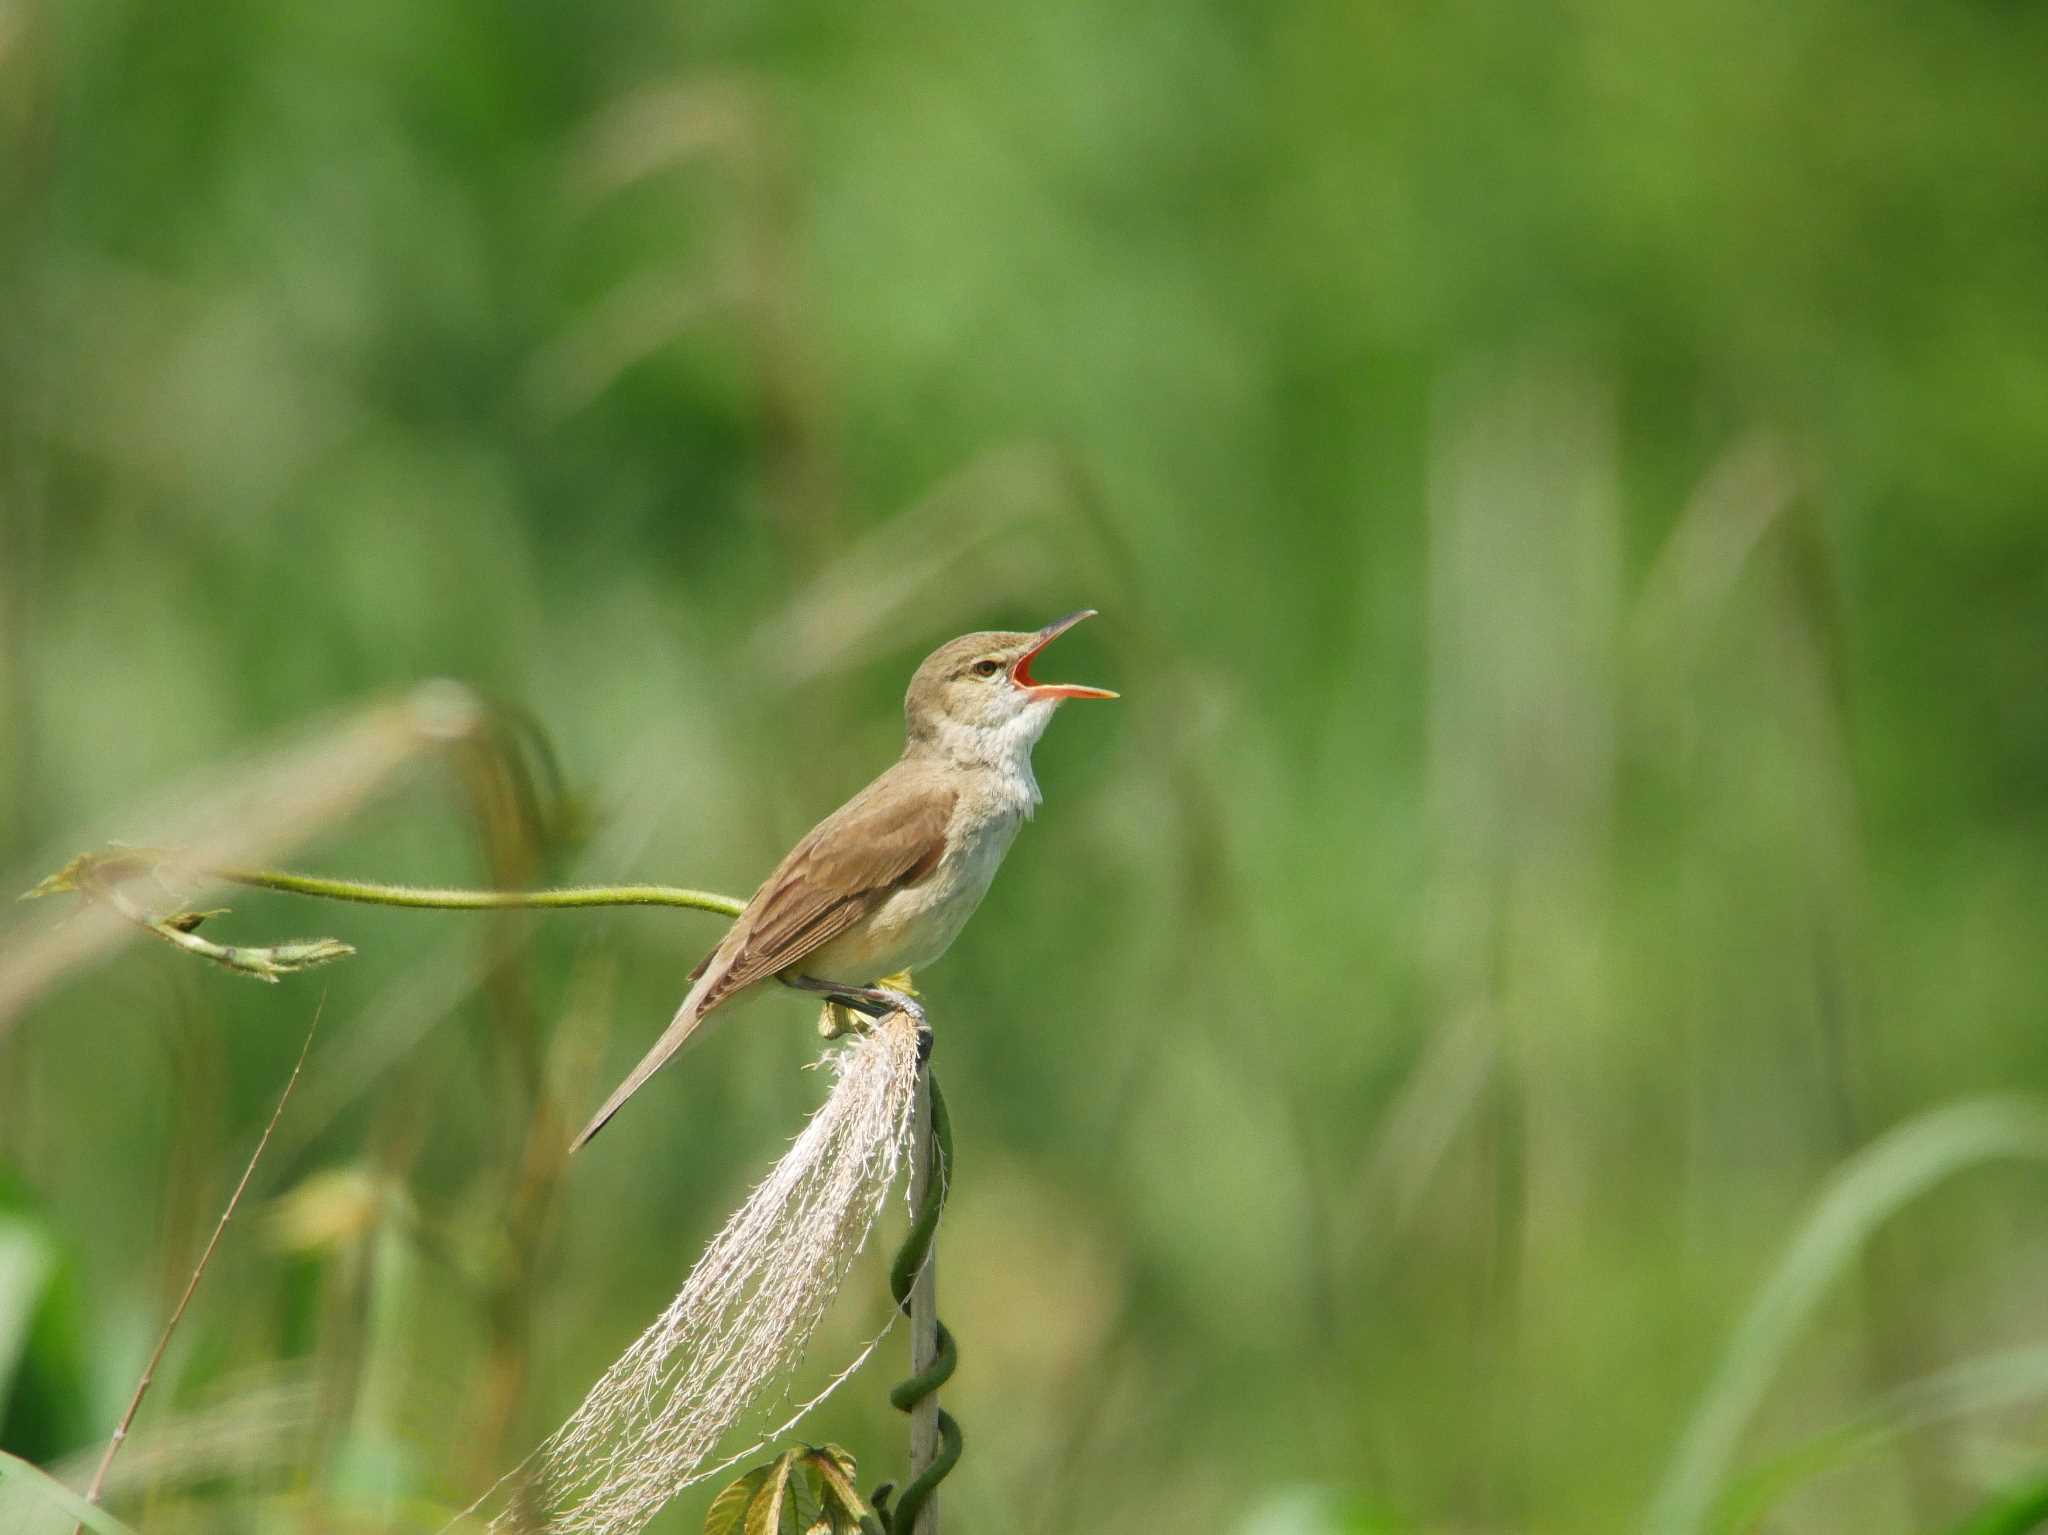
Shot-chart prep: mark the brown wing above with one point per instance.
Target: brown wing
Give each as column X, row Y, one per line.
column 889, row 836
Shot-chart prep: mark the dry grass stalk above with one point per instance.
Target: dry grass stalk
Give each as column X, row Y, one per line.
column 651, row 1426
column 99, row 1475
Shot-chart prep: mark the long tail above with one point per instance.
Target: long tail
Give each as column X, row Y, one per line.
column 688, row 1020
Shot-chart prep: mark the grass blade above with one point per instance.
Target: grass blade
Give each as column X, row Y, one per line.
column 62, row 1498
column 1867, row 1190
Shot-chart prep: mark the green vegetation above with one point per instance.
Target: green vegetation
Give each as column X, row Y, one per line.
column 1526, row 1017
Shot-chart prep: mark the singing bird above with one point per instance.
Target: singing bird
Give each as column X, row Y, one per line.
column 884, row 884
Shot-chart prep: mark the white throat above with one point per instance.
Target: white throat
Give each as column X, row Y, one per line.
column 1004, row 748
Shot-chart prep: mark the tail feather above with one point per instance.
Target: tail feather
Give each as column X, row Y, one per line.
column 688, row 1020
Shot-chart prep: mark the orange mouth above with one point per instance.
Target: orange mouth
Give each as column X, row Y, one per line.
column 1020, row 672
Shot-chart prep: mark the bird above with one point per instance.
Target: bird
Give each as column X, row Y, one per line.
column 882, row 886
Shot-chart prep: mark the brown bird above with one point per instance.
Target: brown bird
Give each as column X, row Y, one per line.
column 884, row 884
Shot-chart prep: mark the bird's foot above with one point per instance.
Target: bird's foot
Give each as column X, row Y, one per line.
column 878, row 1002
column 872, row 1013
column 872, row 1002
column 905, row 993
column 903, row 1002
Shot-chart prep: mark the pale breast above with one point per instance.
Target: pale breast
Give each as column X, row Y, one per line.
column 916, row 925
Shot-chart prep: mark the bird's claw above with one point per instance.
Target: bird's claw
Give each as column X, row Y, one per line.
column 902, row 1002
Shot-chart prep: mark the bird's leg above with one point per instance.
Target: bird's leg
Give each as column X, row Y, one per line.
column 874, row 1002
column 901, row 985
column 871, row 1001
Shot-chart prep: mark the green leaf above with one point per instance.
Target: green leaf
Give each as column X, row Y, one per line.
column 764, row 1513
column 44, row 1404
column 728, row 1512
column 807, row 1501
column 54, row 1492
column 28, row 1261
column 839, row 1493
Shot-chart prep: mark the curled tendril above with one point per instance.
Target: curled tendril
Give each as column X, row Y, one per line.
column 103, row 878
column 907, row 1393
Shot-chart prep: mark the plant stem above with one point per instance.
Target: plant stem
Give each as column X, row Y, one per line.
column 99, row 1475
column 924, row 1306
column 438, row 898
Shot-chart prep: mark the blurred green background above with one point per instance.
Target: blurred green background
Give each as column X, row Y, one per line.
column 1567, row 488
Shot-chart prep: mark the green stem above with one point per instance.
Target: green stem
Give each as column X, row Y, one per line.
column 439, row 898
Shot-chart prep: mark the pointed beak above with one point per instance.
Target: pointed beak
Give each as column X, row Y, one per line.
column 1020, row 670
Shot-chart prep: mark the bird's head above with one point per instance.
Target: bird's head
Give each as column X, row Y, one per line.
column 976, row 695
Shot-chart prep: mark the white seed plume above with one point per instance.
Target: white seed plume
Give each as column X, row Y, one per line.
column 651, row 1424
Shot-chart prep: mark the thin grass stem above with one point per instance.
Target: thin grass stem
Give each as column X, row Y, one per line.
column 99, row 1475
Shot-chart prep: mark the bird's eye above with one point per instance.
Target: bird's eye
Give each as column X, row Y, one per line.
column 987, row 668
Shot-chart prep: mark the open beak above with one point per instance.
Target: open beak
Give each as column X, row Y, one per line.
column 1020, row 670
